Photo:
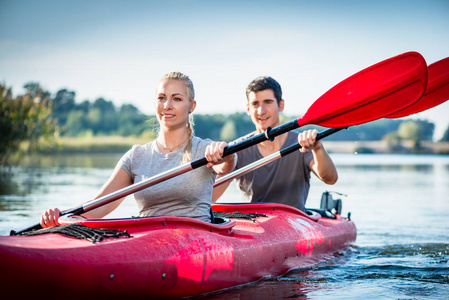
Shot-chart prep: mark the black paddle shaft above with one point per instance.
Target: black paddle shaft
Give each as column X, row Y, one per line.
column 320, row 135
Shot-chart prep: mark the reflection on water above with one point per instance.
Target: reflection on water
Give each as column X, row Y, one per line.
column 399, row 204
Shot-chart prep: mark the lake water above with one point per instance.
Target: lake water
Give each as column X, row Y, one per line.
column 399, row 203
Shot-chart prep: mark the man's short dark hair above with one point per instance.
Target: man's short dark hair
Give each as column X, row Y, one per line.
column 265, row 83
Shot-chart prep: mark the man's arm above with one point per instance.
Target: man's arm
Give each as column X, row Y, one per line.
column 219, row 190
column 321, row 164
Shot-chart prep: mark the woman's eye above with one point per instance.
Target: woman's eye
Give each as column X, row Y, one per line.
column 177, row 99
column 160, row 99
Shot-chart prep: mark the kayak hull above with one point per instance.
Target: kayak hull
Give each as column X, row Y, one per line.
column 170, row 257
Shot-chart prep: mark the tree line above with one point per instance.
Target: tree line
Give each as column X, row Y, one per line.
column 38, row 115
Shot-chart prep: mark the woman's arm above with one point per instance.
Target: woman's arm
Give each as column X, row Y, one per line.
column 118, row 180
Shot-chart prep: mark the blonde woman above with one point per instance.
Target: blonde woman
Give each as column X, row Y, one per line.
column 187, row 195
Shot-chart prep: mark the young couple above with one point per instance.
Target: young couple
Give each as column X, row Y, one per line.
column 285, row 180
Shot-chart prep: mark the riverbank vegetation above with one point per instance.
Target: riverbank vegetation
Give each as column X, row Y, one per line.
column 40, row 121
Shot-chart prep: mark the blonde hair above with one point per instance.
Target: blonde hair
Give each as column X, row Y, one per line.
column 187, row 155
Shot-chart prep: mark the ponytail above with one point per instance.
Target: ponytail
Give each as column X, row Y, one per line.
column 187, row 154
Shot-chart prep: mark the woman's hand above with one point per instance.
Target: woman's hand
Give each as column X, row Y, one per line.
column 214, row 153
column 214, row 156
column 307, row 140
column 50, row 218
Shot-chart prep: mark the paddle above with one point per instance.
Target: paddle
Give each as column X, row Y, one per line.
column 437, row 92
column 372, row 93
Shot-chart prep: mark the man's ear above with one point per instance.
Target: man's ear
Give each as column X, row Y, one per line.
column 247, row 109
column 281, row 105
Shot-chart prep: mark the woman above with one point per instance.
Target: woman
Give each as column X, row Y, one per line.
column 187, row 195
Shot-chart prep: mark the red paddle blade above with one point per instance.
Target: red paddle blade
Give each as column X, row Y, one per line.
column 437, row 90
column 371, row 94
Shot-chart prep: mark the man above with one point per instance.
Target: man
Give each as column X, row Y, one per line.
column 285, row 180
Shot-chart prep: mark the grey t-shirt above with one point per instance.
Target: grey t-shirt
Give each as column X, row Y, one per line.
column 186, row 195
column 285, row 180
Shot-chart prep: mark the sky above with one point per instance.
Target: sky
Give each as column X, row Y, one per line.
column 118, row 50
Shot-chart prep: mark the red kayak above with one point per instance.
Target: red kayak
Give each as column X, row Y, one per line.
column 170, row 257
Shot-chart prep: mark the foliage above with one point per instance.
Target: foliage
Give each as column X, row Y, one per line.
column 445, row 137
column 102, row 118
column 409, row 130
column 25, row 118
column 223, row 127
column 228, row 131
column 416, row 130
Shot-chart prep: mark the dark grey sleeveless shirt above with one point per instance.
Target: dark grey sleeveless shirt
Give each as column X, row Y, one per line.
column 285, row 180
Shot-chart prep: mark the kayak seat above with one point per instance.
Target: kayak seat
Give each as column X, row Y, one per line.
column 324, row 213
column 331, row 204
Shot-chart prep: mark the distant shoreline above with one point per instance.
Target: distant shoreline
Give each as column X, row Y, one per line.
column 381, row 147
column 119, row 144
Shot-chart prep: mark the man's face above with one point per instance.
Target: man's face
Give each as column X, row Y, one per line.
column 264, row 110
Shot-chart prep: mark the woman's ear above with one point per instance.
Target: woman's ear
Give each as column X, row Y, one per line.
column 192, row 106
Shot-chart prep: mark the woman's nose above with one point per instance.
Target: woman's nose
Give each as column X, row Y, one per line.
column 168, row 104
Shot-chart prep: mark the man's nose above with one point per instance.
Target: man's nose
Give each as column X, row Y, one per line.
column 261, row 109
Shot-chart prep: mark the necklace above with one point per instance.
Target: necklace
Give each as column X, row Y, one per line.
column 170, row 149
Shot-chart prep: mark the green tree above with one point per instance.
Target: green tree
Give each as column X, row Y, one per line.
column 94, row 120
column 131, row 121
column 445, row 137
column 84, row 106
column 409, row 130
column 242, row 122
column 209, row 126
column 427, row 129
column 62, row 104
column 76, row 123
column 228, row 131
column 413, row 131
column 416, row 130
column 103, row 105
column 393, row 142
column 26, row 118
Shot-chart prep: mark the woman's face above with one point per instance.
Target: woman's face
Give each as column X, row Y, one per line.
column 172, row 104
